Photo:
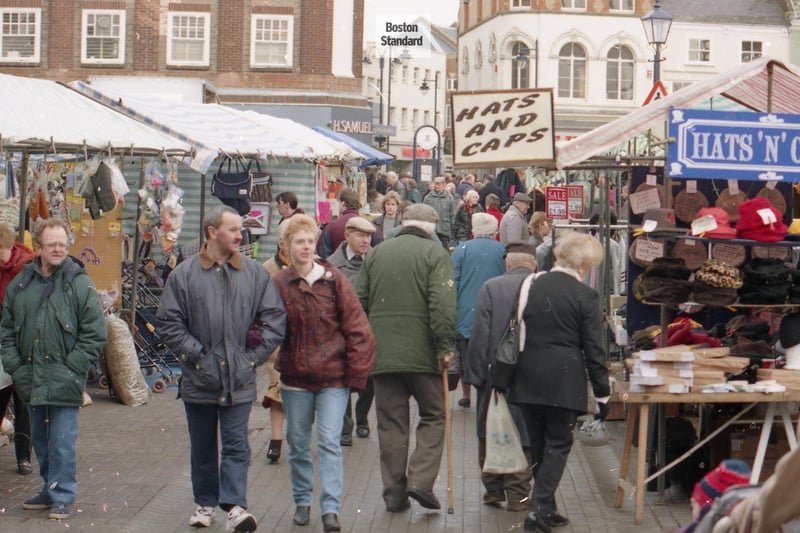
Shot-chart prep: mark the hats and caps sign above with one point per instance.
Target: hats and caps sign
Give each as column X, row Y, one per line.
column 503, row 128
column 564, row 202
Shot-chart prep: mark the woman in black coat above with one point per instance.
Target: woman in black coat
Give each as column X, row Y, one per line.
column 560, row 342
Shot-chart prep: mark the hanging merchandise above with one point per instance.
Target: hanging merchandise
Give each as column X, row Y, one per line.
column 37, row 196
column 161, row 209
column 9, row 201
column 56, row 177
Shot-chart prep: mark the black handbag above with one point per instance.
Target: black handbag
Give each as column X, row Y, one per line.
column 507, row 352
column 233, row 188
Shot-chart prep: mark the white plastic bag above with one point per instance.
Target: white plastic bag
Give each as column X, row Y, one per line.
column 504, row 453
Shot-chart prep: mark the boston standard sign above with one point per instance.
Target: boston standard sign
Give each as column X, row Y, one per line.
column 733, row 145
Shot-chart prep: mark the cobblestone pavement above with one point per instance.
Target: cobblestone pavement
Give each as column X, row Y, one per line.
column 133, row 476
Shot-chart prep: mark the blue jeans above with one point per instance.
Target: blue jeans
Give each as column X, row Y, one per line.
column 219, row 478
column 54, row 433
column 300, row 408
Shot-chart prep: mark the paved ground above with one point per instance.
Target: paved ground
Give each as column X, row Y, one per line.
column 133, row 476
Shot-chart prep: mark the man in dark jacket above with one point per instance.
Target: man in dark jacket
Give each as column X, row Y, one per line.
column 406, row 286
column 333, row 234
column 52, row 330
column 493, row 312
column 209, row 303
column 348, row 258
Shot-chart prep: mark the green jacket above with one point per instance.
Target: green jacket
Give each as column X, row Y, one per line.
column 406, row 286
column 445, row 207
column 49, row 341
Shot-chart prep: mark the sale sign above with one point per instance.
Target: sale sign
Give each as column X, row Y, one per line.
column 556, row 202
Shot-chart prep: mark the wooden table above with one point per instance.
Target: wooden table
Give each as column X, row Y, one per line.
column 777, row 405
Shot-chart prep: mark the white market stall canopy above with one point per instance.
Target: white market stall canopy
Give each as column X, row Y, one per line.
column 215, row 130
column 761, row 85
column 45, row 116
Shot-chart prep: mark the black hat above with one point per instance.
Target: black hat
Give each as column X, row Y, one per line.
column 520, row 247
column 790, row 330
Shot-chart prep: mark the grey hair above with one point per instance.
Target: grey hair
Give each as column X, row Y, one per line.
column 213, row 218
column 577, row 250
column 515, row 259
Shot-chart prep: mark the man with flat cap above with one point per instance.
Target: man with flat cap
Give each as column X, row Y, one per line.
column 514, row 227
column 493, row 311
column 348, row 258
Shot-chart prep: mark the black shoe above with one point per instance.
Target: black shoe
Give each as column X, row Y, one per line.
column 301, row 517
column 399, row 508
column 38, row 502
column 464, row 402
column 346, row 440
column 24, row 467
column 274, row 450
column 424, row 497
column 555, row 520
column 362, row 432
column 535, row 523
column 330, row 522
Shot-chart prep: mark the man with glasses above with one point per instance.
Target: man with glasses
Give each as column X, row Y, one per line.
column 52, row 330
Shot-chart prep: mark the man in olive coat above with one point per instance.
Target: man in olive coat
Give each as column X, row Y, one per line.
column 406, row 286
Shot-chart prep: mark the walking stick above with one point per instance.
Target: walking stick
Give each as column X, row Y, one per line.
column 448, row 442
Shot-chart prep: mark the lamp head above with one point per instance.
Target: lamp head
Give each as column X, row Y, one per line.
column 656, row 25
column 424, row 87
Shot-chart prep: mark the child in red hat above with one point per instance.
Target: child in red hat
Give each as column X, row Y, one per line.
column 729, row 473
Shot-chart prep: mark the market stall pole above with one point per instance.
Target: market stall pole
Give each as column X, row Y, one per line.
column 639, row 407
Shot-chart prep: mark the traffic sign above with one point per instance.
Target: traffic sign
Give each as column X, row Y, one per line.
column 656, row 93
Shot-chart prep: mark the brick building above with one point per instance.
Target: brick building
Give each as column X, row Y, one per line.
column 280, row 57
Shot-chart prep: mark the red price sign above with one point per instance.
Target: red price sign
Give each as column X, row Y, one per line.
column 575, row 200
column 556, row 202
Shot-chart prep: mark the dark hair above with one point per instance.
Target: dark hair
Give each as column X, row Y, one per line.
column 287, row 197
column 350, row 198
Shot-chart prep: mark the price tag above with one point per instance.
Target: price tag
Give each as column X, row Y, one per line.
column 767, row 216
column 733, row 187
column 647, row 251
column 649, row 225
column 772, row 184
column 704, row 224
column 651, row 179
column 691, row 186
column 644, row 200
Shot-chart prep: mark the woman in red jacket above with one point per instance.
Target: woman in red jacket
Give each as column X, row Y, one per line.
column 328, row 352
column 12, row 256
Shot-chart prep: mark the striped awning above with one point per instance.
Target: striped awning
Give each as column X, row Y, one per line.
column 761, row 85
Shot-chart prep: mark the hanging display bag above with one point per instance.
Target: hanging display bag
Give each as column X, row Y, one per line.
column 233, row 187
column 262, row 186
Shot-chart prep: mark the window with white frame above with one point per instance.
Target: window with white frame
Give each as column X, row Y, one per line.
column 452, row 84
column 414, row 119
column 619, row 73
column 620, row 5
column 188, row 39
column 416, row 75
column 448, row 114
column 464, row 61
column 403, row 118
column 572, row 71
column 20, row 39
column 392, row 116
column 699, row 51
column 751, row 50
column 272, row 39
column 520, row 66
column 492, row 49
column 404, row 74
column 573, row 4
column 478, row 55
column 520, row 3
column 103, row 37
column 426, row 116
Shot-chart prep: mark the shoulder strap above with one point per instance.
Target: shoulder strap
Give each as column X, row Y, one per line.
column 522, row 301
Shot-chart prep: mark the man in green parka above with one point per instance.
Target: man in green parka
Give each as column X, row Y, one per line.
column 406, row 286
column 52, row 330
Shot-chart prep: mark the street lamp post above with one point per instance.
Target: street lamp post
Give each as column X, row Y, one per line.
column 381, row 63
column 656, row 28
column 524, row 54
column 424, row 88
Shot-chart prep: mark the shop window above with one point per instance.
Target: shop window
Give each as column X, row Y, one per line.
column 103, row 36
column 189, row 39
column 272, row 38
column 619, row 73
column 20, row 40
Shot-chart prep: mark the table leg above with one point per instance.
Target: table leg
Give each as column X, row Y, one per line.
column 626, row 454
column 787, row 425
column 641, row 468
column 763, row 440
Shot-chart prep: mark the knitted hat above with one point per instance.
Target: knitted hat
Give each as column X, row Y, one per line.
column 760, row 221
column 729, row 473
column 720, row 216
column 421, row 212
column 483, row 224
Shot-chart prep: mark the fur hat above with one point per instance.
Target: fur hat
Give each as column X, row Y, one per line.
column 421, row 213
column 666, row 281
column 729, row 473
column 760, row 221
column 360, row 224
column 484, row 224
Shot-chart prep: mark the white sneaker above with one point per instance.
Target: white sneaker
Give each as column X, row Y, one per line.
column 240, row 520
column 202, row 517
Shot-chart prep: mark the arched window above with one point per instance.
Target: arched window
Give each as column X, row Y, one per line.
column 520, row 66
column 492, row 48
column 464, row 61
column 478, row 55
column 619, row 73
column 572, row 71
